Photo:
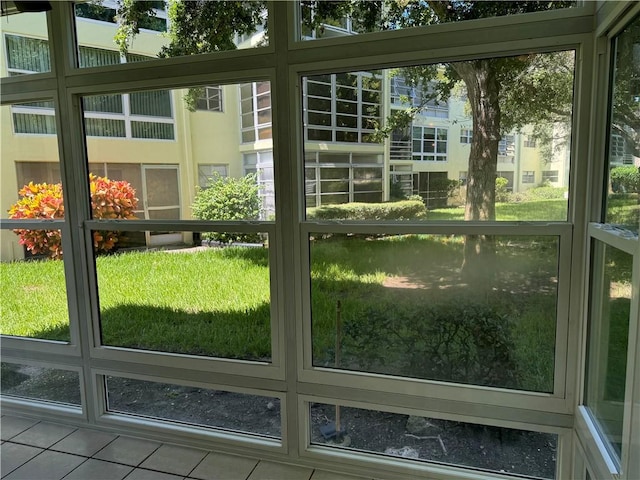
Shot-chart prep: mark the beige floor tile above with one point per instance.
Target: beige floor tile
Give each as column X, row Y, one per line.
column 127, row 450
column 13, row 455
column 141, row 474
column 324, row 475
column 94, row 469
column 46, row 466
column 280, row 471
column 12, row 426
column 219, row 466
column 84, row 442
column 171, row 459
column 43, row 434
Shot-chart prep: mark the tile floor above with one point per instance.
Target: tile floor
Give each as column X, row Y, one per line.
column 35, row 450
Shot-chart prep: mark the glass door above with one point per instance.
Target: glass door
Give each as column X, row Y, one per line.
column 161, row 197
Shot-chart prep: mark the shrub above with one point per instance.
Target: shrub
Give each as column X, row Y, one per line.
column 227, row 198
column 545, row 193
column 625, row 179
column 502, row 195
column 402, row 210
column 109, row 199
column 458, row 342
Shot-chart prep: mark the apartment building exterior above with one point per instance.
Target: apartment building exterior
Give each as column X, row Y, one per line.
column 166, row 149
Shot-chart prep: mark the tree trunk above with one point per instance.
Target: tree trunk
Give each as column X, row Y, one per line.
column 483, row 91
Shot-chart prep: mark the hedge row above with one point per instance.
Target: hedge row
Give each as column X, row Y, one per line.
column 403, row 210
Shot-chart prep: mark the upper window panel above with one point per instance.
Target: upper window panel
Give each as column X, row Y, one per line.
column 486, row 139
column 110, row 34
column 623, row 199
column 322, row 19
column 25, row 45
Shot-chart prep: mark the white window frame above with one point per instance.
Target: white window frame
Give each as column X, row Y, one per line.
column 284, row 62
column 421, row 155
column 212, row 97
column 466, row 136
column 334, row 130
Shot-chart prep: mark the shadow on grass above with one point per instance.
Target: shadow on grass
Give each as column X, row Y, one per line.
column 256, row 256
column 239, row 334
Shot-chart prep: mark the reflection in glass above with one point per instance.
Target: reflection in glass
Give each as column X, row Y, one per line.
column 623, row 202
column 33, row 298
column 414, row 306
column 439, row 155
column 417, row 438
column 203, row 407
column 611, row 293
column 39, row 383
column 209, row 300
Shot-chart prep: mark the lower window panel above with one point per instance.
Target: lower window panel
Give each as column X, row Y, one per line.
column 219, row 409
column 40, row 383
column 423, row 439
column 475, row 310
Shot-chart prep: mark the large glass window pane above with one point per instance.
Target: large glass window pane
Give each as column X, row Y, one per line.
column 193, row 298
column 143, row 130
column 432, row 131
column 33, row 298
column 419, row 306
column 611, row 294
column 623, row 200
column 202, row 407
column 40, row 383
column 423, row 439
column 337, row 19
column 103, row 29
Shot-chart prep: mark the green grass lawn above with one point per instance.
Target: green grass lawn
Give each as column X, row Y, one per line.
column 217, row 302
column 530, row 211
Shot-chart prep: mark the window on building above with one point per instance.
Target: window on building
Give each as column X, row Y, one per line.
column 404, row 94
column 211, row 99
column 332, row 178
column 507, row 146
column 207, row 171
column 26, row 55
column 429, row 144
column 462, row 177
column 261, row 164
column 466, row 134
column 529, row 176
column 147, row 115
column 255, row 106
column 530, row 141
column 343, row 107
column 550, row 176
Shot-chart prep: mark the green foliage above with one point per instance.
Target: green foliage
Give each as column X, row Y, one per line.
column 228, row 199
column 625, row 179
column 109, row 200
column 458, row 342
column 402, row 210
column 395, row 190
column 502, row 195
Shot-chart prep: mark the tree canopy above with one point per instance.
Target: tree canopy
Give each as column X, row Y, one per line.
column 503, row 93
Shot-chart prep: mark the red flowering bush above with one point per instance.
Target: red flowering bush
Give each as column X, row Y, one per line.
column 109, row 199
